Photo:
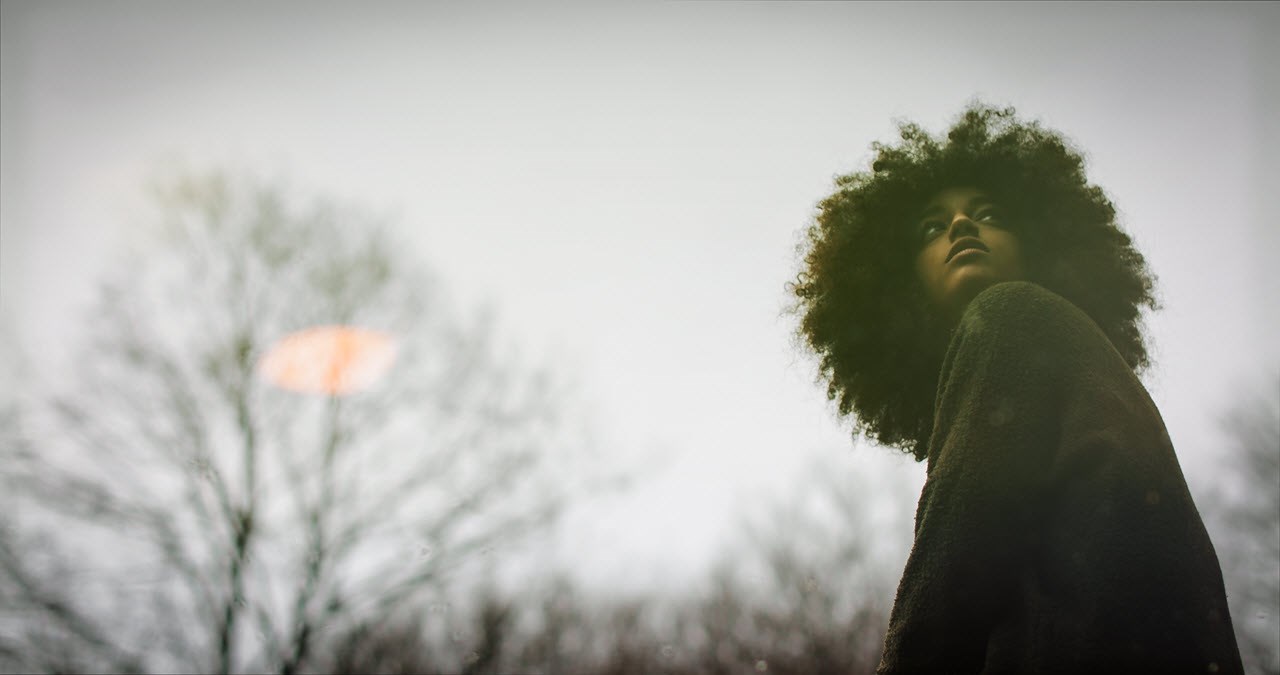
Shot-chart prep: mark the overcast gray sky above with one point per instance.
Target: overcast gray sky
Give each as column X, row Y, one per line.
column 626, row 183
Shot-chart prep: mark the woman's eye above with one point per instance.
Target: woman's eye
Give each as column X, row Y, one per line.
column 986, row 215
column 931, row 228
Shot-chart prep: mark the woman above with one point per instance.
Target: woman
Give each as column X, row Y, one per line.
column 974, row 303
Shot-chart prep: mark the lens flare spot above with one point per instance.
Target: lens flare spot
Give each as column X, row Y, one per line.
column 330, row 360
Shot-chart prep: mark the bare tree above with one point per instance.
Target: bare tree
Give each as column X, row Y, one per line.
column 1246, row 514
column 171, row 509
column 811, row 590
column 808, row 591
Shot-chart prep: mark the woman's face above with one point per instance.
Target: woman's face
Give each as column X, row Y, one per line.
column 964, row 246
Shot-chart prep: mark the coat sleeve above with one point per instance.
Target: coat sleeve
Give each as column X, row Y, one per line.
column 995, row 431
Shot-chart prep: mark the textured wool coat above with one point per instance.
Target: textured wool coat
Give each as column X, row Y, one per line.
column 1055, row 532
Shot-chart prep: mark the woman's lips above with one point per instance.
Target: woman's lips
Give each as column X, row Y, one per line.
column 967, row 254
column 963, row 244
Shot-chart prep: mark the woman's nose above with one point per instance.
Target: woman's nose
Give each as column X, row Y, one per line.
column 961, row 226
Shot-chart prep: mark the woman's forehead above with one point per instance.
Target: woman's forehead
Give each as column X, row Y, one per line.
column 954, row 198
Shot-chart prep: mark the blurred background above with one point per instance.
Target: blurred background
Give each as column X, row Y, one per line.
column 437, row 337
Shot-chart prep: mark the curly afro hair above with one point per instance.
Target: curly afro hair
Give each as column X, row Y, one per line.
column 864, row 313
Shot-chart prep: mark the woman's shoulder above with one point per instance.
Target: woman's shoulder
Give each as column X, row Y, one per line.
column 1025, row 321
column 1019, row 298
column 1029, row 309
